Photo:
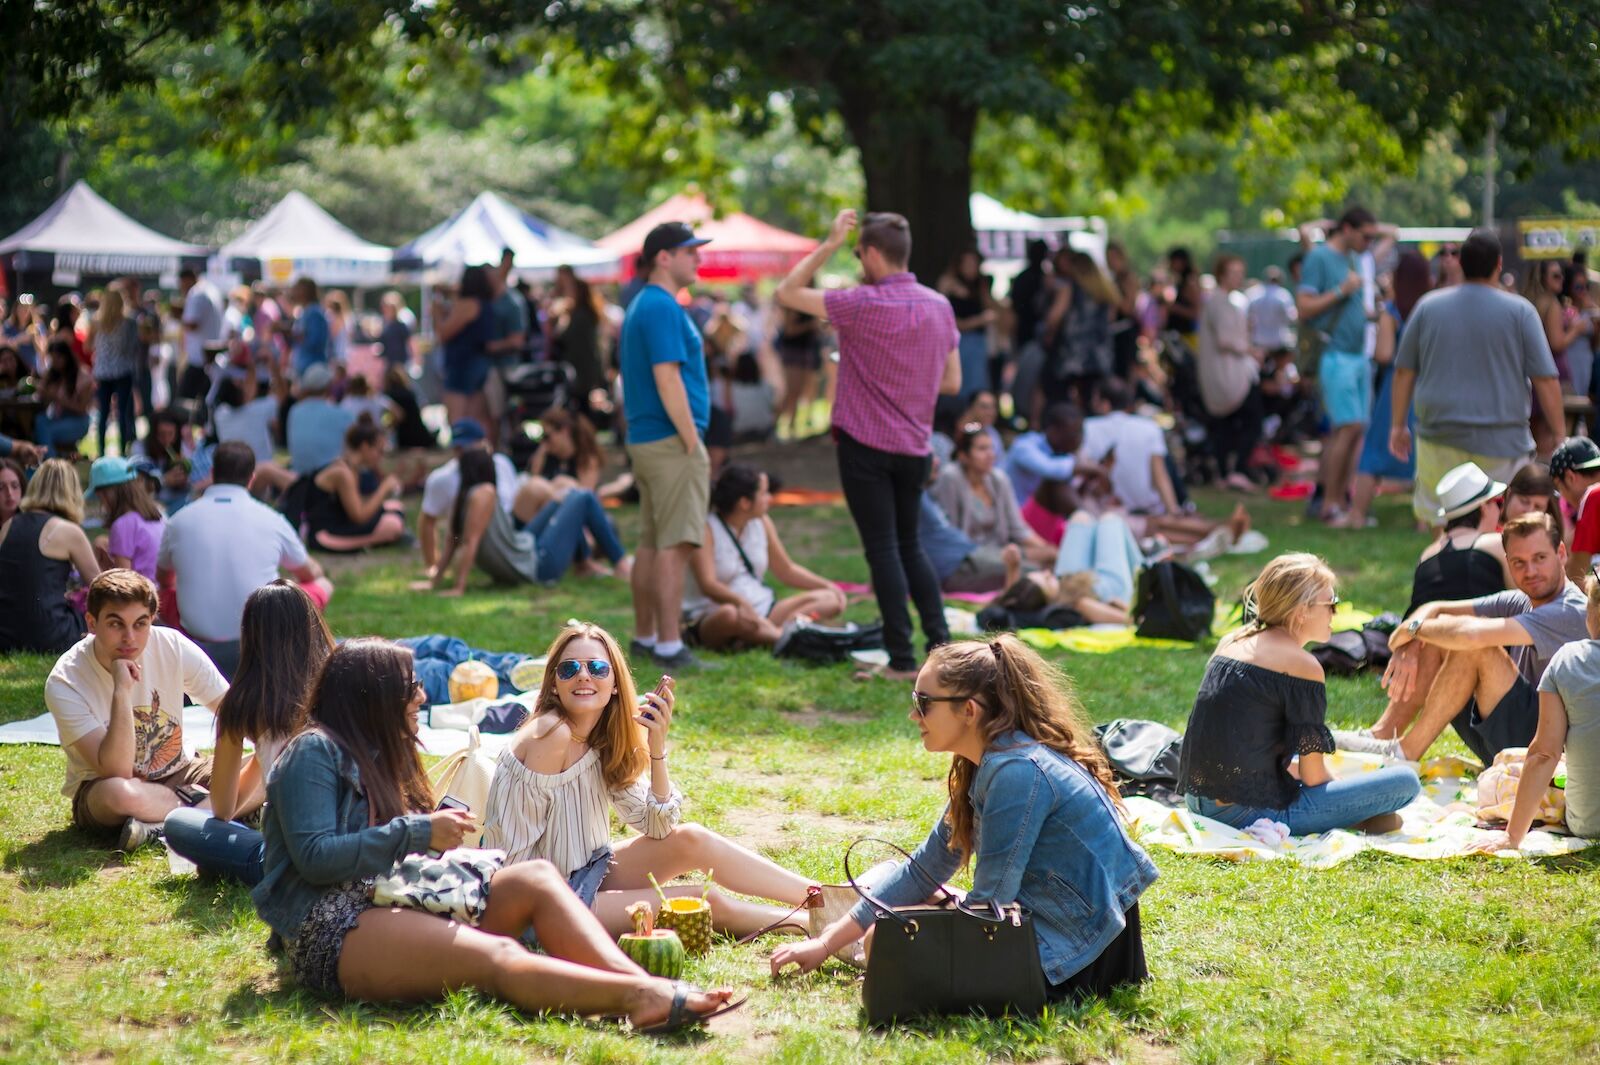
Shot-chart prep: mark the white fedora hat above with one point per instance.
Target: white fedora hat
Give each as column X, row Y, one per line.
column 1465, row 489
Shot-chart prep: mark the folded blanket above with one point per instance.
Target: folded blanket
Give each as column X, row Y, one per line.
column 437, row 655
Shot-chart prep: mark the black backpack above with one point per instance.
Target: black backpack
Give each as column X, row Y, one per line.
column 806, row 640
column 1173, row 603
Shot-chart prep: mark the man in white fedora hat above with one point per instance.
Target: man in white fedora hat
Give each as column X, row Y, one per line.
column 1495, row 650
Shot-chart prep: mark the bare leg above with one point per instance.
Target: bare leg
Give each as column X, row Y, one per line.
column 724, row 627
column 534, row 895
column 455, row 406
column 1397, row 716
column 1012, row 557
column 821, row 603
column 730, row 914
column 1098, row 613
column 1485, row 675
column 1361, row 496
column 694, row 847
column 113, row 800
column 1040, row 554
column 643, row 583
column 271, row 475
column 390, row 528
column 1343, row 446
column 670, row 564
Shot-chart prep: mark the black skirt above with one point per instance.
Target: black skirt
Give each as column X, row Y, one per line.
column 1122, row 962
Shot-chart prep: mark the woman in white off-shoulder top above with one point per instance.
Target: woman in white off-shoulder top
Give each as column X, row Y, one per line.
column 588, row 751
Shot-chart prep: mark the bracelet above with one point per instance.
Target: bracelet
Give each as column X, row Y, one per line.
column 653, row 758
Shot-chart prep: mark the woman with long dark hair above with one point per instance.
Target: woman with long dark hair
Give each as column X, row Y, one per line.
column 283, row 641
column 348, row 799
column 575, row 320
column 68, row 390
column 465, row 327
column 1032, row 805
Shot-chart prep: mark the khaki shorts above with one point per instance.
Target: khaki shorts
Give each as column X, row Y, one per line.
column 1434, row 460
column 674, row 492
column 196, row 771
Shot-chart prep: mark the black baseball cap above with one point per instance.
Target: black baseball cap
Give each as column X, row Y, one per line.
column 1575, row 453
column 666, row 237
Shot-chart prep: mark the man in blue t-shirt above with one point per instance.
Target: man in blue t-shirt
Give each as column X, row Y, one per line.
column 668, row 402
column 309, row 330
column 1330, row 302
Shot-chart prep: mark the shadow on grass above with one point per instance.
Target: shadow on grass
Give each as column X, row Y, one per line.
column 60, row 859
column 1583, row 861
column 207, row 903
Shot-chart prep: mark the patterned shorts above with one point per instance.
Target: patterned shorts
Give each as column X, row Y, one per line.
column 314, row 950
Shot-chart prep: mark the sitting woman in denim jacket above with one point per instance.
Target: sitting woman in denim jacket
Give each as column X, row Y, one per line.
column 348, row 799
column 1263, row 702
column 1033, row 804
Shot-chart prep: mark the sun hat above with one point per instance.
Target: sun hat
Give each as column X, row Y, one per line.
column 108, row 471
column 670, row 235
column 1575, row 453
column 1465, row 489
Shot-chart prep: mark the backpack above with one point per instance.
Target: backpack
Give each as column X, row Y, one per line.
column 806, row 640
column 1173, row 603
column 1142, row 752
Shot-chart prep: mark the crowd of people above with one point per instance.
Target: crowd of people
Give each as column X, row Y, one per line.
column 1062, row 470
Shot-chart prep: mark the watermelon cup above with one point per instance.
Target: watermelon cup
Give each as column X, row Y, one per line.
column 658, row 951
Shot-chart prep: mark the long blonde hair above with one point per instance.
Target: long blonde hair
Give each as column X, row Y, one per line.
column 617, row 738
column 55, row 489
column 1286, row 584
column 111, row 313
column 1016, row 691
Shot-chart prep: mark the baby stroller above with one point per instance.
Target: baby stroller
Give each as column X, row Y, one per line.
column 531, row 389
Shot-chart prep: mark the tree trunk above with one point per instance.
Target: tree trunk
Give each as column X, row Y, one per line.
column 918, row 165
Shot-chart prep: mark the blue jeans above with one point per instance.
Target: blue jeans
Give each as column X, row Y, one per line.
column 222, row 848
column 1336, row 804
column 60, row 433
column 121, row 388
column 436, row 656
column 558, row 530
column 1107, row 548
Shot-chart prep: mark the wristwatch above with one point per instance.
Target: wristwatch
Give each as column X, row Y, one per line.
column 1413, row 625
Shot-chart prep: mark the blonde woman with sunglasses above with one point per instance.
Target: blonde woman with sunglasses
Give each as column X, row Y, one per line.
column 1263, row 703
column 592, row 747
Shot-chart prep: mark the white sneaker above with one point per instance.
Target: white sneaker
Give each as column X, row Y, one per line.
column 1363, row 741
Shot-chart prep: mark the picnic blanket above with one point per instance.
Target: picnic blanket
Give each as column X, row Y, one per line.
column 1104, row 639
column 1439, row 823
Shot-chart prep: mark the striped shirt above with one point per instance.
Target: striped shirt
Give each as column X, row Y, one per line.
column 894, row 338
column 565, row 817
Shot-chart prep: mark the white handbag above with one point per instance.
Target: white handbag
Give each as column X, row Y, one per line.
column 465, row 777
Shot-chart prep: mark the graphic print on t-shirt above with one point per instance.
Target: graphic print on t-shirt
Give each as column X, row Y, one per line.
column 158, row 740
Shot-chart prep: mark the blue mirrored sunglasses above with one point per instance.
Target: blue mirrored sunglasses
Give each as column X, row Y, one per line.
column 598, row 668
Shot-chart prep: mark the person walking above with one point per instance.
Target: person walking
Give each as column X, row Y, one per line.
column 1467, row 355
column 668, row 409
column 897, row 354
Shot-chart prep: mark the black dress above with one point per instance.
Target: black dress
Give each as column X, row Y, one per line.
column 325, row 514
column 34, row 612
column 1455, row 573
column 1121, row 963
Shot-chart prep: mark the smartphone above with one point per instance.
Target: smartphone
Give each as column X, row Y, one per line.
column 660, row 691
column 451, row 803
column 192, row 794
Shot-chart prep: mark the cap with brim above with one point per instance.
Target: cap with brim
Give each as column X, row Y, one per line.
column 668, row 236
column 1465, row 489
column 466, row 431
column 317, row 378
column 1574, row 453
column 147, row 467
column 108, row 472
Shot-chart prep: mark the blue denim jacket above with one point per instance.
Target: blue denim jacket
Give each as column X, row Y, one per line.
column 317, row 835
column 1047, row 836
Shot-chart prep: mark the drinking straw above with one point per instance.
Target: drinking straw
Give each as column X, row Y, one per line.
column 657, row 886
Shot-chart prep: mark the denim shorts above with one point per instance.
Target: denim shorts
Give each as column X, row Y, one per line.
column 467, row 376
column 1346, row 378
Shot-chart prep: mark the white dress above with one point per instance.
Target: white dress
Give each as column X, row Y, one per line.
column 731, row 570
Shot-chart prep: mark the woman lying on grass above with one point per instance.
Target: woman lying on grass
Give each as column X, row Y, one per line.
column 348, row 799
column 1262, row 702
column 1033, row 805
column 593, row 747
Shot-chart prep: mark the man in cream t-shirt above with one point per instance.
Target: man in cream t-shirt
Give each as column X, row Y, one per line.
column 117, row 699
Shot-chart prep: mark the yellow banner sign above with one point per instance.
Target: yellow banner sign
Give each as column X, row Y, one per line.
column 1556, row 238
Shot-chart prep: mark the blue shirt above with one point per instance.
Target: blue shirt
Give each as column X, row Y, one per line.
column 944, row 544
column 657, row 330
column 316, row 433
column 1031, row 461
column 311, row 338
column 1346, row 321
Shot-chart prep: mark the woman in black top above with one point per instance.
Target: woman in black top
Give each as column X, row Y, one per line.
column 1263, row 702
column 39, row 548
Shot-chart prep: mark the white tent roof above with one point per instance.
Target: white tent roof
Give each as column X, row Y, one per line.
column 297, row 228
column 478, row 232
column 82, row 233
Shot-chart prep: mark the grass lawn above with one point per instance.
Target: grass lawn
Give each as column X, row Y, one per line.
column 1380, row 959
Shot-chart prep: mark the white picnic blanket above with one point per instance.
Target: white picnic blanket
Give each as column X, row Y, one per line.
column 1439, row 823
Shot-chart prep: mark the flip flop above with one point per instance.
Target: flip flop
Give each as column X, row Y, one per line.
column 679, row 1018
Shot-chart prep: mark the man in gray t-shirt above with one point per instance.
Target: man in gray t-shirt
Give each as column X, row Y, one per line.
column 1496, row 650
column 1466, row 356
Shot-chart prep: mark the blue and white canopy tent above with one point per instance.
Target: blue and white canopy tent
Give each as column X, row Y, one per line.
column 477, row 234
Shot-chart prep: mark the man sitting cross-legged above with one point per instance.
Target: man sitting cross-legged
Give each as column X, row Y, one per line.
column 1495, row 649
column 117, row 699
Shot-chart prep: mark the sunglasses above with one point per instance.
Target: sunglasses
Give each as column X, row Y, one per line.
column 920, row 702
column 1450, row 253
column 568, row 668
column 1331, row 604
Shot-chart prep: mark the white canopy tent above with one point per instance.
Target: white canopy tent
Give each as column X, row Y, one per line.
column 297, row 238
column 81, row 234
column 478, row 233
column 1003, row 235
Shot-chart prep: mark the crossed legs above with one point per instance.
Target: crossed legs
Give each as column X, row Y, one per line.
column 1484, row 675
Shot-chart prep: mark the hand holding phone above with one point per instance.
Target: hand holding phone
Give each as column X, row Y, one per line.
column 655, row 714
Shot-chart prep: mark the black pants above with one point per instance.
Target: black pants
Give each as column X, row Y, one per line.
column 1235, row 436
column 884, row 493
column 121, row 390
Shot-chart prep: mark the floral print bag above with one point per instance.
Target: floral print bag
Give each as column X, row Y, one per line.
column 454, row 884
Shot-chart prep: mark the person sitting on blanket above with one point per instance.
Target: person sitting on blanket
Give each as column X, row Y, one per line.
column 977, row 495
column 117, row 699
column 726, row 601
column 349, row 800
column 352, row 504
column 593, row 746
column 1033, row 805
column 1495, row 650
column 1262, row 702
column 1569, row 720
column 960, row 564
column 1094, row 572
column 283, row 641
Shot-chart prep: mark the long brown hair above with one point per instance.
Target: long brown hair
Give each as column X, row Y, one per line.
column 617, row 738
column 283, row 642
column 585, row 445
column 359, row 701
column 1017, row 691
column 119, row 499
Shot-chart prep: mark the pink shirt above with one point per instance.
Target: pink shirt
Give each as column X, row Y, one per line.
column 894, row 338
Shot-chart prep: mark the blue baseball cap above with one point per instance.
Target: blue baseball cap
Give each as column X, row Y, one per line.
column 670, row 235
column 464, row 432
column 108, row 471
column 140, row 464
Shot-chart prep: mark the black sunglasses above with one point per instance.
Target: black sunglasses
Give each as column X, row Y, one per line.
column 568, row 668
column 920, row 702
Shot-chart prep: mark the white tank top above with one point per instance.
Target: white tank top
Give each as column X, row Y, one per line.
column 731, row 570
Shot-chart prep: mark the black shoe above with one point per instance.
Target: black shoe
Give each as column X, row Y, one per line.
column 639, row 650
column 684, row 659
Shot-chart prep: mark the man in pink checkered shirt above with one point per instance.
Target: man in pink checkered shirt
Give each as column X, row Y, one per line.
column 897, row 356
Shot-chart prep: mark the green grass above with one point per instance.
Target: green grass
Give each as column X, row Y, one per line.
column 1379, row 960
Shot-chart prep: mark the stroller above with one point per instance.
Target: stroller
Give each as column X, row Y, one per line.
column 531, row 389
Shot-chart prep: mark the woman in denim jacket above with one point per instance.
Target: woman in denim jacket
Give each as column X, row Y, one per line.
column 1033, row 804
column 348, row 800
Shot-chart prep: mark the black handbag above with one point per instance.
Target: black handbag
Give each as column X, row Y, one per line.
column 1173, row 603
column 804, row 639
column 948, row 959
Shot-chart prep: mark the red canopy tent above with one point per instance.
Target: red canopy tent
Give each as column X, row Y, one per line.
column 742, row 248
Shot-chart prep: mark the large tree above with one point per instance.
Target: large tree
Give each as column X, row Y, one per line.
column 906, row 81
